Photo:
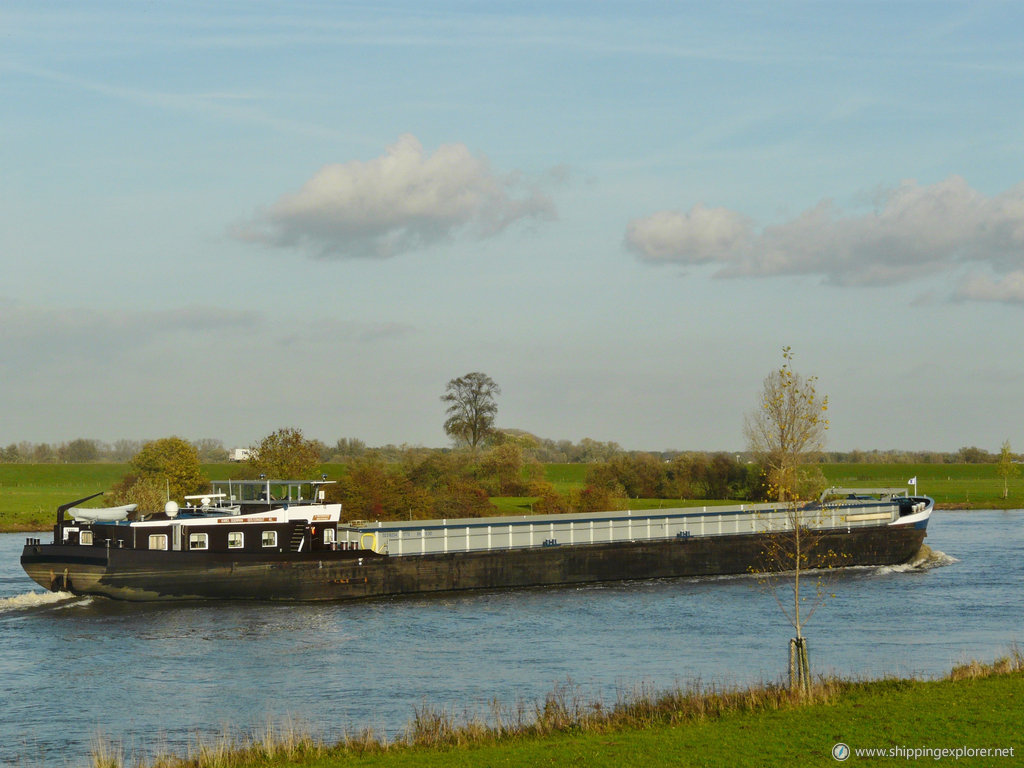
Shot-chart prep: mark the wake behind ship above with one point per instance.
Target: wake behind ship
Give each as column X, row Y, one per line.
column 279, row 540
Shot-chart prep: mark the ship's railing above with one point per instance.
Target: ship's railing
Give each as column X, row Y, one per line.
column 466, row 535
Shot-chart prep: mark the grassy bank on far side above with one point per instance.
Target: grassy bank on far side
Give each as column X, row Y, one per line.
column 953, row 486
column 31, row 493
column 907, row 721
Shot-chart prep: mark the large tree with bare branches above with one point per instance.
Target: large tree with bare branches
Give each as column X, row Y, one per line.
column 471, row 408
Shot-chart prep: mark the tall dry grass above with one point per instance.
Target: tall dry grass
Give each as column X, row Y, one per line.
column 1004, row 665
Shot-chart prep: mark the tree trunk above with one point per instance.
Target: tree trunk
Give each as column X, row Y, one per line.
column 799, row 666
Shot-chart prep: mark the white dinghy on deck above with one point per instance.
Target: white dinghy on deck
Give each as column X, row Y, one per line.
column 102, row 514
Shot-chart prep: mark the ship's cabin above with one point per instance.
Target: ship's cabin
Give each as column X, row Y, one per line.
column 254, row 516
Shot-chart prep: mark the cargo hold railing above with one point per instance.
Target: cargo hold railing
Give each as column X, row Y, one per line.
column 481, row 534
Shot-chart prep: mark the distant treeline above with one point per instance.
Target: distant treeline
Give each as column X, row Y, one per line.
column 543, row 450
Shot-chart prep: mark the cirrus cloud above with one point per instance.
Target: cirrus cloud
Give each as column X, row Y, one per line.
column 916, row 230
column 399, row 201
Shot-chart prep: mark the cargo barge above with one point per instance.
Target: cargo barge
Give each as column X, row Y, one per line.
column 279, row 540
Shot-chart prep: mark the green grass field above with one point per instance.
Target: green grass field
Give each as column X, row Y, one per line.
column 968, row 486
column 565, row 476
column 30, row 493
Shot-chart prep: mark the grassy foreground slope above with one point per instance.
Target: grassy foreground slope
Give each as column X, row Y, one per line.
column 974, row 715
column 886, row 715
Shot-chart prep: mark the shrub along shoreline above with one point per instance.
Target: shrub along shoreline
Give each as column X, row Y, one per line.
column 976, row 707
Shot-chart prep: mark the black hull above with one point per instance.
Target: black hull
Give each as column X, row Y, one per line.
column 142, row 575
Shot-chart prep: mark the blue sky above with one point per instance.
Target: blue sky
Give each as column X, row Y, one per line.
column 221, row 219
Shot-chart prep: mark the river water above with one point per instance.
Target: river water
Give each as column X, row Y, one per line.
column 153, row 676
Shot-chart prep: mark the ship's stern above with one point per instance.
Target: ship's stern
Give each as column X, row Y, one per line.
column 63, row 568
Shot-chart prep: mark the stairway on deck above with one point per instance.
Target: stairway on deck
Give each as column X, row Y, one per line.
column 298, row 535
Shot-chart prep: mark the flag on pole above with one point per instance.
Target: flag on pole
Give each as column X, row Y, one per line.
column 912, row 481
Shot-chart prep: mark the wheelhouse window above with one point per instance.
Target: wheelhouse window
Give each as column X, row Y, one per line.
column 235, row 540
column 270, row 538
column 158, row 541
column 198, row 541
column 329, row 535
column 85, row 537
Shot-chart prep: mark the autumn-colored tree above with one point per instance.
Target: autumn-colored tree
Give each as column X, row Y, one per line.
column 598, row 498
column 502, row 468
column 463, row 498
column 162, row 470
column 148, row 494
column 374, row 490
column 785, row 432
column 286, row 455
column 549, row 501
column 171, row 463
column 434, row 471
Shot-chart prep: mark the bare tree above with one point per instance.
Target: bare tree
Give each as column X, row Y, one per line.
column 797, row 568
column 786, row 433
column 788, row 430
column 471, row 408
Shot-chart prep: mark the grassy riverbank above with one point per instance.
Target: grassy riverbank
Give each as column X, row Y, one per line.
column 976, row 707
column 30, row 493
column 953, row 486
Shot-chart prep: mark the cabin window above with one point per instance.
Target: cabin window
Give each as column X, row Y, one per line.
column 235, row 540
column 270, row 538
column 329, row 535
column 158, row 541
column 85, row 538
column 198, row 541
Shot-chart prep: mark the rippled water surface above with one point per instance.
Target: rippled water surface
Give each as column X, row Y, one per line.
column 154, row 675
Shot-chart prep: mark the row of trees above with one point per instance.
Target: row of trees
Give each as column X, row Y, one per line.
column 88, row 451
column 428, row 484
column 470, row 415
column 544, row 450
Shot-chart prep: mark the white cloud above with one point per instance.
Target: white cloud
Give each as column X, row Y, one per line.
column 399, row 201
column 1009, row 289
column 702, row 235
column 915, row 231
